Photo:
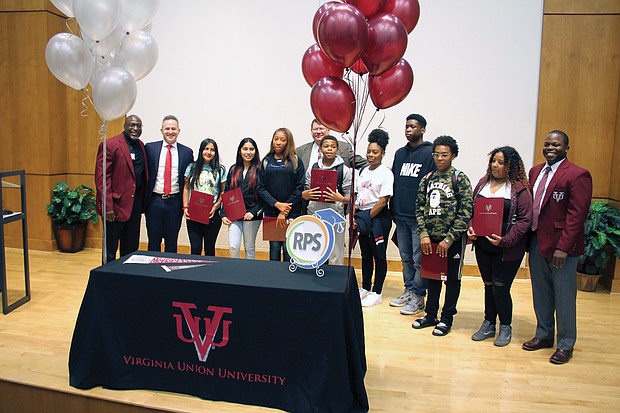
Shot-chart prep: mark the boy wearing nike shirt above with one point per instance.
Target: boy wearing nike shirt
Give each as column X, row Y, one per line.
column 443, row 209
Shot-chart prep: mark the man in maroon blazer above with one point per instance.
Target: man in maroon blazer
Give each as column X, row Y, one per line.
column 126, row 183
column 562, row 193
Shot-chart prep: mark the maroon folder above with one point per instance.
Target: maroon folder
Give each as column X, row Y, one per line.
column 488, row 216
column 433, row 266
column 323, row 179
column 200, row 206
column 234, row 207
column 271, row 232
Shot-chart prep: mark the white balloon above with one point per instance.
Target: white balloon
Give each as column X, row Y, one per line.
column 114, row 93
column 136, row 14
column 69, row 60
column 101, row 63
column 105, row 46
column 138, row 54
column 148, row 28
column 97, row 18
column 65, row 6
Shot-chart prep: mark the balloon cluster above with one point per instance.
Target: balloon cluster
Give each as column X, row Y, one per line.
column 363, row 37
column 115, row 50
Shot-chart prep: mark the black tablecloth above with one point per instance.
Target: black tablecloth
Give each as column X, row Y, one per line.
column 292, row 341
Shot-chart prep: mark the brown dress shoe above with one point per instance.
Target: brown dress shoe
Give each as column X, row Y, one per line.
column 538, row 343
column 561, row 356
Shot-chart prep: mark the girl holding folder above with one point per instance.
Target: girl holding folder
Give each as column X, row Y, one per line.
column 208, row 176
column 244, row 174
column 499, row 255
column 280, row 183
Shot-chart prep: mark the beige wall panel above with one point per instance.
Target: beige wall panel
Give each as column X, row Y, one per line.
column 5, row 97
column 582, row 6
column 614, row 183
column 579, row 89
column 26, row 5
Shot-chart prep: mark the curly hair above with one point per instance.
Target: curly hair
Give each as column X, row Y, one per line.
column 448, row 141
column 515, row 171
column 380, row 137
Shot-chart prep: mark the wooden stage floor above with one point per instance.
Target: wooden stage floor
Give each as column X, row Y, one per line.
column 408, row 370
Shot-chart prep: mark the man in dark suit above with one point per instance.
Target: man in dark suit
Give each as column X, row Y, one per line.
column 126, row 181
column 167, row 161
column 562, row 193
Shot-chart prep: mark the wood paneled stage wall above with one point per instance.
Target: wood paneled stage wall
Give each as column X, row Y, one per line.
column 45, row 134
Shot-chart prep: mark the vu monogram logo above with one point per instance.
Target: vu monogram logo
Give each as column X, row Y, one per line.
column 202, row 343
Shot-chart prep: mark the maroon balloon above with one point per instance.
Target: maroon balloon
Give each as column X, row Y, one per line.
column 368, row 7
column 408, row 11
column 333, row 103
column 317, row 17
column 316, row 65
column 359, row 67
column 387, row 42
column 392, row 86
column 343, row 33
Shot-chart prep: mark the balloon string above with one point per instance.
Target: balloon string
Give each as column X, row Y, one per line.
column 84, row 111
column 67, row 24
column 104, row 184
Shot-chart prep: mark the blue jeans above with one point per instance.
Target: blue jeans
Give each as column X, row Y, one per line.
column 409, row 248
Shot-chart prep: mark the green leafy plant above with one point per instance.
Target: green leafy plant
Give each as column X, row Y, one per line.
column 602, row 234
column 70, row 206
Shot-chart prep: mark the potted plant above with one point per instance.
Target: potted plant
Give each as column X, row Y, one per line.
column 70, row 210
column 602, row 240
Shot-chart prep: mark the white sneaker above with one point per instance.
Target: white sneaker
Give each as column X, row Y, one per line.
column 401, row 300
column 372, row 299
column 414, row 306
column 363, row 293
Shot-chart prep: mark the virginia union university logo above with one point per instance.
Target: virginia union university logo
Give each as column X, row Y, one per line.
column 203, row 343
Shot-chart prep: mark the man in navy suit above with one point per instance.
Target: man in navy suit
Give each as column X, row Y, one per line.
column 126, row 174
column 164, row 208
column 562, row 193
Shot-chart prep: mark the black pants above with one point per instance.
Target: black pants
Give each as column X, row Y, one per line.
column 163, row 221
column 278, row 251
column 453, row 285
column 126, row 233
column 497, row 276
column 372, row 257
column 200, row 234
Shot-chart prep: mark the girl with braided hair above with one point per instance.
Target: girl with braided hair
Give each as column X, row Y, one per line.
column 499, row 255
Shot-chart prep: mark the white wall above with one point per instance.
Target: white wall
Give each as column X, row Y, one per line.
column 233, row 69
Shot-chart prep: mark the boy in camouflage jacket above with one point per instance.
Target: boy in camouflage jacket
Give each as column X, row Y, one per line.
column 444, row 207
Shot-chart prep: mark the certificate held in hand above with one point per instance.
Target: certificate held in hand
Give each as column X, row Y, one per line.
column 433, row 266
column 234, row 207
column 323, row 179
column 272, row 231
column 488, row 216
column 200, row 206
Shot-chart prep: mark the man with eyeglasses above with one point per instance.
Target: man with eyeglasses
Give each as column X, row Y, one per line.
column 126, row 183
column 309, row 152
column 411, row 163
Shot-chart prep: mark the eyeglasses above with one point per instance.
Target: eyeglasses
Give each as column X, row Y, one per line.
column 441, row 155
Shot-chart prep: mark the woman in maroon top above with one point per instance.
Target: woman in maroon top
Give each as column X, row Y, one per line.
column 499, row 255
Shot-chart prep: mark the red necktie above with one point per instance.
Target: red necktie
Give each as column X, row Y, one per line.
column 168, row 171
column 540, row 190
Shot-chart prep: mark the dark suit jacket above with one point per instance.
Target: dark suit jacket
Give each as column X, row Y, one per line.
column 153, row 150
column 344, row 150
column 120, row 178
column 563, row 210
